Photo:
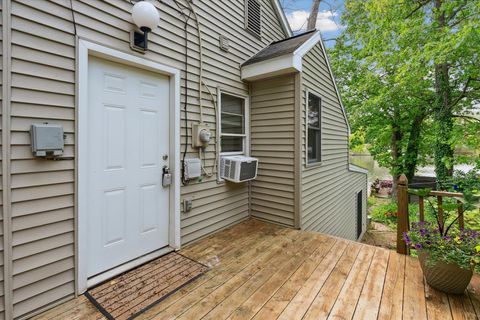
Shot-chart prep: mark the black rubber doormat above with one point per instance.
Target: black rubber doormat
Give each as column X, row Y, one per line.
column 135, row 291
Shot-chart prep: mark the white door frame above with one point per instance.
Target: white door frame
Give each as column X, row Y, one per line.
column 85, row 50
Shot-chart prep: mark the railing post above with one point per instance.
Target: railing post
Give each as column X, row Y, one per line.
column 440, row 211
column 421, row 208
column 461, row 221
column 402, row 214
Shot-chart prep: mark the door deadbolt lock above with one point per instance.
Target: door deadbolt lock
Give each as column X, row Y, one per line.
column 166, row 177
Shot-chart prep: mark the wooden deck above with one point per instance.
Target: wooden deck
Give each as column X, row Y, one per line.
column 264, row 271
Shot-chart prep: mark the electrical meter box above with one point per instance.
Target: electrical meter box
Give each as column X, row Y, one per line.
column 47, row 140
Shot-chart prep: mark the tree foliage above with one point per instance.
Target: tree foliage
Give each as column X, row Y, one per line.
column 387, row 63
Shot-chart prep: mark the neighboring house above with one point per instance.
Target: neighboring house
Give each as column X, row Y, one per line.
column 100, row 208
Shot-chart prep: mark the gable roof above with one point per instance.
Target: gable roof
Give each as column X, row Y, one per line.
column 285, row 56
column 280, row 48
column 280, row 57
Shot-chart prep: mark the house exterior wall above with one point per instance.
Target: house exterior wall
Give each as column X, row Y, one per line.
column 272, row 115
column 43, row 77
column 328, row 188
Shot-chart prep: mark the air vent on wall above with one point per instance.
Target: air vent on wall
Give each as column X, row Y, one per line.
column 253, row 19
column 224, row 43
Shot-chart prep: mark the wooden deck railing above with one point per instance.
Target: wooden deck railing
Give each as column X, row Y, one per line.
column 403, row 223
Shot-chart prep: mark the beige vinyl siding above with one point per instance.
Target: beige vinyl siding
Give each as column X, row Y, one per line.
column 272, row 117
column 43, row 90
column 42, row 191
column 334, row 212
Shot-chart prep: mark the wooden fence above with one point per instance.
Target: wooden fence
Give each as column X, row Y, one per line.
column 403, row 223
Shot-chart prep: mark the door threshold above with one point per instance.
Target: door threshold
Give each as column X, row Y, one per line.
column 93, row 281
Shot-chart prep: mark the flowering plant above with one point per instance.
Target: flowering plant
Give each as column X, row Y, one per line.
column 461, row 247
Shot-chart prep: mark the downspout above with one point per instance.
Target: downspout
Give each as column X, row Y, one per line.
column 298, row 154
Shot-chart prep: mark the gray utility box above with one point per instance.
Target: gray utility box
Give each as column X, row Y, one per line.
column 47, row 140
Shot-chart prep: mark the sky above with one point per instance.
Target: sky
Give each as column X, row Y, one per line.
column 328, row 21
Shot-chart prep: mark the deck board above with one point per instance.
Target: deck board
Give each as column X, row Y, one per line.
column 414, row 306
column 369, row 303
column 264, row 271
column 391, row 306
column 282, row 297
column 344, row 307
column 326, row 297
column 461, row 306
column 307, row 293
column 217, row 304
column 438, row 306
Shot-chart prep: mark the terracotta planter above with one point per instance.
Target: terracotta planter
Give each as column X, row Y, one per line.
column 446, row 277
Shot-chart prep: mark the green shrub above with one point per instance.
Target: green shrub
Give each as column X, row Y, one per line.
column 387, row 213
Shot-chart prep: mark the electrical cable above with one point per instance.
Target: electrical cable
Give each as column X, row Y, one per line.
column 200, row 91
column 200, row 87
column 217, row 136
column 185, row 108
column 73, row 18
column 200, row 52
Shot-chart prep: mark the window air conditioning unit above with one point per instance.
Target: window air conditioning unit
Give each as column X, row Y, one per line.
column 238, row 168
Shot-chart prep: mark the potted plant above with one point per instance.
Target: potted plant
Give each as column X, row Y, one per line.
column 448, row 255
column 448, row 259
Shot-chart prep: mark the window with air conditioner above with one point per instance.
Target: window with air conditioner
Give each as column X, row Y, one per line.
column 233, row 129
column 314, row 124
column 253, row 17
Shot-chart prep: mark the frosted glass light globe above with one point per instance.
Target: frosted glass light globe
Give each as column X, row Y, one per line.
column 145, row 15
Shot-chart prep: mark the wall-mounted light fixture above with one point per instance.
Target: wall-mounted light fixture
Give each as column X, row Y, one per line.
column 146, row 17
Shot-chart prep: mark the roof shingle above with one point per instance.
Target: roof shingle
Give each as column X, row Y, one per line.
column 280, row 48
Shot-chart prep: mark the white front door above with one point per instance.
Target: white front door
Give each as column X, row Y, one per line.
column 128, row 146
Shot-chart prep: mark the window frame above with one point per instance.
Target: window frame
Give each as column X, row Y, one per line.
column 258, row 35
column 318, row 160
column 246, row 123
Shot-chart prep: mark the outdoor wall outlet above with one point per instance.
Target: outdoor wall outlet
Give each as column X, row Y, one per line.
column 187, row 205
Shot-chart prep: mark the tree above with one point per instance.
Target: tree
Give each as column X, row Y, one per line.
column 312, row 18
column 390, row 61
column 454, row 45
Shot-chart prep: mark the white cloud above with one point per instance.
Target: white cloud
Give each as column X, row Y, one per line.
column 298, row 20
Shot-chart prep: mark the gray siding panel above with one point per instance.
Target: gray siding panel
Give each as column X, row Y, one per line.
column 43, row 89
column 334, row 212
column 272, row 142
column 2, row 284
